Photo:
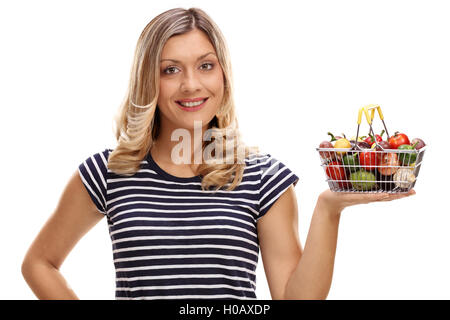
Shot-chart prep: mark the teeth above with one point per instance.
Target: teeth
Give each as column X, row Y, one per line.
column 192, row 104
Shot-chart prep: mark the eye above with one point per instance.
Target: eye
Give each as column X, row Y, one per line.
column 172, row 70
column 169, row 70
column 207, row 64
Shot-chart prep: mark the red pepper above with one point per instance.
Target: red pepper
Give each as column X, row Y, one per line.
column 335, row 171
column 369, row 159
column 371, row 140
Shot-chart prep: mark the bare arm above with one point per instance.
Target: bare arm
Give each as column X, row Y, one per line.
column 279, row 242
column 74, row 216
column 293, row 273
column 313, row 274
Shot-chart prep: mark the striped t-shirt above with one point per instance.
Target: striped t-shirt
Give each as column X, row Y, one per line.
column 171, row 240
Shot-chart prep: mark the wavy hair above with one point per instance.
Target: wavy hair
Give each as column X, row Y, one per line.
column 138, row 123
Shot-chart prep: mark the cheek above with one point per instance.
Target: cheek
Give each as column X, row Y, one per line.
column 166, row 89
column 217, row 83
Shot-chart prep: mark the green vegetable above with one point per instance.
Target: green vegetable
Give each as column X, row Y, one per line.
column 362, row 180
column 407, row 158
column 351, row 162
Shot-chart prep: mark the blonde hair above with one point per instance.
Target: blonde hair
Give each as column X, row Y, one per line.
column 137, row 122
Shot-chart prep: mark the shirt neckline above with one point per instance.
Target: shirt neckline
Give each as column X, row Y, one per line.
column 167, row 175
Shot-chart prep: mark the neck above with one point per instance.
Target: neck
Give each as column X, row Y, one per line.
column 185, row 143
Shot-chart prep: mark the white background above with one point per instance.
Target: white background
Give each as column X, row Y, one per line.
column 301, row 69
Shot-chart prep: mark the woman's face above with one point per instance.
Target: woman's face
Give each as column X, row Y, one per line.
column 190, row 74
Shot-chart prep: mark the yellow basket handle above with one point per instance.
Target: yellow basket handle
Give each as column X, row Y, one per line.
column 369, row 118
column 366, row 109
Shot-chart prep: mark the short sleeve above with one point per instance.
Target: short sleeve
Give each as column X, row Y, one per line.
column 93, row 172
column 276, row 178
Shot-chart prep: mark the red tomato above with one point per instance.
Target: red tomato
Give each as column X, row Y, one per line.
column 369, row 159
column 335, row 171
column 398, row 139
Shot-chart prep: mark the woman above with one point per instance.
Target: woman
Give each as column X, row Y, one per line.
column 189, row 226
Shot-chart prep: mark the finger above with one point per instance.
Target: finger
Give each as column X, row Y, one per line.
column 402, row 195
column 395, row 196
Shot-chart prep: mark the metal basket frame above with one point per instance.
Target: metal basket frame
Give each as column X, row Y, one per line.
column 382, row 182
column 392, row 177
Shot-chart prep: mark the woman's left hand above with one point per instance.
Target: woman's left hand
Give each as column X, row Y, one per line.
column 337, row 201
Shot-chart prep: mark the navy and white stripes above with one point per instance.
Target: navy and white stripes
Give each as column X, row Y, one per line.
column 171, row 240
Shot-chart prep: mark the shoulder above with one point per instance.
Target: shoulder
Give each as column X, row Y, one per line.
column 105, row 153
column 268, row 165
column 94, row 172
column 259, row 159
column 274, row 179
column 101, row 156
column 95, row 164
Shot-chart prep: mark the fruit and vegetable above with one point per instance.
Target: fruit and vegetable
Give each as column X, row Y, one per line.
column 360, row 144
column 418, row 143
column 362, row 180
column 326, row 154
column 368, row 160
column 351, row 161
column 404, row 177
column 367, row 164
column 336, row 172
column 371, row 139
column 407, row 158
column 382, row 145
column 398, row 139
column 340, row 143
column 389, row 164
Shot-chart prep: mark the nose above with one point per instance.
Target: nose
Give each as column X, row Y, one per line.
column 190, row 82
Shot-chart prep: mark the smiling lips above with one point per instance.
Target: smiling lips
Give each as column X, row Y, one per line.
column 190, row 103
column 186, row 102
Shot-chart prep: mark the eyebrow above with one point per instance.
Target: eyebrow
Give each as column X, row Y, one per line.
column 199, row 58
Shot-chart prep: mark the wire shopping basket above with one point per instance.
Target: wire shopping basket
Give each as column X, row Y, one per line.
column 358, row 169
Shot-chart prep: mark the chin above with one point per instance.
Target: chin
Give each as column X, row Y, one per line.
column 204, row 124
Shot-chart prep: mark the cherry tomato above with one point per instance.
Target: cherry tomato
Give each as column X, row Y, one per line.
column 369, row 159
column 398, row 139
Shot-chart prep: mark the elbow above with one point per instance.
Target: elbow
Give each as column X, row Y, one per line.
column 27, row 267
column 31, row 266
column 34, row 267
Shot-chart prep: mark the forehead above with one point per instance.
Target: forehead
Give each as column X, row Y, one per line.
column 187, row 46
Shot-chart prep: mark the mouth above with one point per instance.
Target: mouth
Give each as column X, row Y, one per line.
column 191, row 104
